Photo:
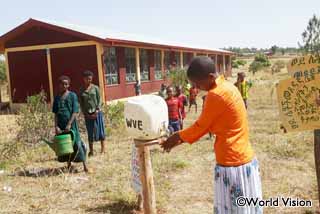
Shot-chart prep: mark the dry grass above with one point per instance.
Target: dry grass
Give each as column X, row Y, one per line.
column 287, row 160
column 106, row 190
column 183, row 178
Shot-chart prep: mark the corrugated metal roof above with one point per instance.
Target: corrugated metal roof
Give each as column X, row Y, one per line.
column 107, row 33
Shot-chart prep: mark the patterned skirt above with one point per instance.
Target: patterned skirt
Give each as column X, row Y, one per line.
column 231, row 183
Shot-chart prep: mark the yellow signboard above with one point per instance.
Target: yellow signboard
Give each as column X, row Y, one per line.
column 297, row 103
column 297, row 95
column 304, row 66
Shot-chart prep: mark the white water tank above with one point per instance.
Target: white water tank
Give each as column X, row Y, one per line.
column 146, row 117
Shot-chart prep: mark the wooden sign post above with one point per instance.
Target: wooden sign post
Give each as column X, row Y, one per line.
column 317, row 157
column 297, row 101
column 146, row 175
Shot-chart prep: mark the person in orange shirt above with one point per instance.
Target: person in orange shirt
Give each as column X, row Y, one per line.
column 236, row 173
column 203, row 101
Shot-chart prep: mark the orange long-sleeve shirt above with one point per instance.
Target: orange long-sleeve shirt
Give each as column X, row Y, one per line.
column 225, row 115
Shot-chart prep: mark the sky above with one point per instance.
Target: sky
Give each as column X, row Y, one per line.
column 224, row 23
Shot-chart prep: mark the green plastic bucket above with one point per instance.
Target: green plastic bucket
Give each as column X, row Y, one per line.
column 64, row 143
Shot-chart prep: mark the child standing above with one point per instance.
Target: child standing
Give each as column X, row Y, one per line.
column 243, row 86
column 237, row 170
column 183, row 102
column 66, row 110
column 193, row 93
column 90, row 103
column 174, row 110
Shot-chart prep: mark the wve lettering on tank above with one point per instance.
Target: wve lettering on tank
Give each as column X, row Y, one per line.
column 134, row 123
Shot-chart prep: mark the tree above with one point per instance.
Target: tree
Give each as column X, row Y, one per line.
column 274, row 49
column 255, row 67
column 311, row 36
column 263, row 59
column 178, row 77
column 234, row 63
column 260, row 61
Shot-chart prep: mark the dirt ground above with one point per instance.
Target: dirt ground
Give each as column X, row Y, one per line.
column 183, row 178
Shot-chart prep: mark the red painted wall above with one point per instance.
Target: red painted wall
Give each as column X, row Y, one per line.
column 72, row 62
column 40, row 36
column 149, row 87
column 28, row 74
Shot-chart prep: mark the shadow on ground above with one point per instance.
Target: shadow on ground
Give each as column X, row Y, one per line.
column 44, row 172
column 117, row 207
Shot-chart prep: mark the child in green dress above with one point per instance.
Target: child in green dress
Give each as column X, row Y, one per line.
column 66, row 110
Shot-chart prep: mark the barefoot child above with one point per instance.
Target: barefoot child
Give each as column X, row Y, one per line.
column 66, row 109
column 90, row 103
column 236, row 173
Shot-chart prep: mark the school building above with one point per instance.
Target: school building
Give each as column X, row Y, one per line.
column 38, row 52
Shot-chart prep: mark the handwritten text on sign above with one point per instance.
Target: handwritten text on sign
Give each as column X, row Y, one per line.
column 298, row 109
column 307, row 65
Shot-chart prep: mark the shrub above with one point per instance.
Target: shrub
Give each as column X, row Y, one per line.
column 263, row 59
column 255, row 67
column 260, row 62
column 3, row 77
column 35, row 122
column 241, row 62
column 277, row 66
column 236, row 63
column 179, row 77
column 114, row 117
